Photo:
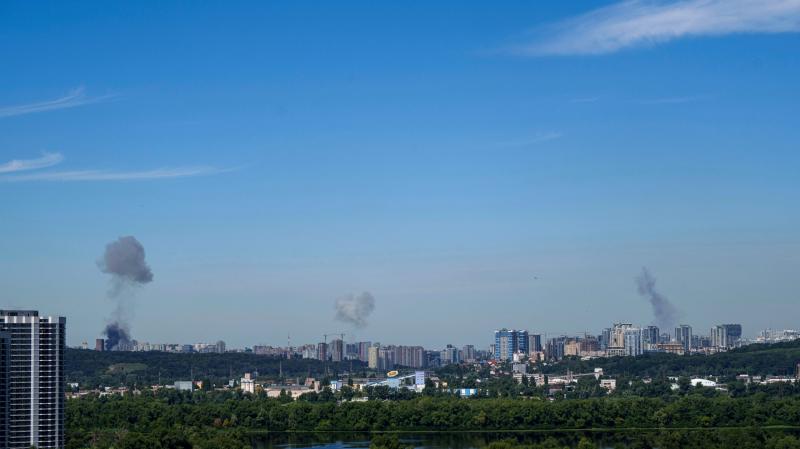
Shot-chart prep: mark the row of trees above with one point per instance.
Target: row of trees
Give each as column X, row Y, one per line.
column 229, row 411
column 122, row 368
column 675, row 439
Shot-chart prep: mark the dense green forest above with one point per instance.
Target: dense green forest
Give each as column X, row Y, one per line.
column 112, row 368
column 755, row 360
column 230, row 419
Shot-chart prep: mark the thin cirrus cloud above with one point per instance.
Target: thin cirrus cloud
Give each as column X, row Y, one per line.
column 74, row 98
column 46, row 160
column 638, row 23
column 49, row 160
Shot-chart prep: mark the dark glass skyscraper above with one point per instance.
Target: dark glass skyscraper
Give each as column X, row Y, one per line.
column 34, row 372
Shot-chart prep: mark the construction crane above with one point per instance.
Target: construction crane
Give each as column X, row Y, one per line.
column 333, row 334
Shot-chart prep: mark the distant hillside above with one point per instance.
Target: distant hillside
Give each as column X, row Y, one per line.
column 756, row 360
column 94, row 368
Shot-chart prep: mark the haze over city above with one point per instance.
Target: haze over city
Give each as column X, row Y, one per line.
column 411, row 173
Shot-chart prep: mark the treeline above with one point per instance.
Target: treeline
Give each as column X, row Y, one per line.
column 116, row 368
column 232, row 411
column 673, row 439
column 755, row 360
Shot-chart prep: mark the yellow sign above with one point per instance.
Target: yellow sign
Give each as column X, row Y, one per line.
column 392, row 373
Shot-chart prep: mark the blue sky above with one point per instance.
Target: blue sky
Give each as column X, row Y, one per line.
column 472, row 166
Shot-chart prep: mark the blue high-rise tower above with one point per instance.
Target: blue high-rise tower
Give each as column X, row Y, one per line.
column 509, row 341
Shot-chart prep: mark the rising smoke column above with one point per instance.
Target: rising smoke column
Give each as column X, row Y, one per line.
column 115, row 334
column 354, row 309
column 663, row 310
column 124, row 261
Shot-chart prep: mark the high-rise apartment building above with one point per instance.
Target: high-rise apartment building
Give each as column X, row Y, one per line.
column 337, row 350
column 616, row 343
column 589, row 344
column 534, row 343
column 605, row 339
column 734, row 332
column 572, row 347
column 504, row 341
column 33, row 413
column 468, row 353
column 726, row 336
column 363, row 350
column 632, row 338
column 322, row 351
column 509, row 341
column 410, row 356
column 386, row 357
column 373, row 357
column 5, row 373
column 651, row 337
column 683, row 335
column 555, row 347
column 220, row 347
column 522, row 342
column 449, row 355
column 351, row 351
column 433, row 359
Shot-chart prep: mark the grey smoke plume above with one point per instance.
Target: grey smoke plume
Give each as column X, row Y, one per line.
column 354, row 309
column 116, row 333
column 124, row 261
column 665, row 313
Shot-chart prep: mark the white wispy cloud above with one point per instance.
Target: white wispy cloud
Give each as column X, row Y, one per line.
column 8, row 171
column 109, row 175
column 16, row 165
column 74, row 98
column 637, row 22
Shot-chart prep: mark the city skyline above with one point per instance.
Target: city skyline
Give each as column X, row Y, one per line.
column 528, row 340
column 403, row 173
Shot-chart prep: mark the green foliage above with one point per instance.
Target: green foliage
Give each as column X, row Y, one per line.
column 126, row 368
column 122, row 368
column 755, row 360
column 171, row 409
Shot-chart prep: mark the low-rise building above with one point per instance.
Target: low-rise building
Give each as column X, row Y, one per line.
column 184, row 385
column 248, row 383
column 671, row 348
column 294, row 390
column 609, row 384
